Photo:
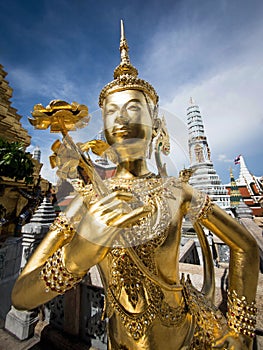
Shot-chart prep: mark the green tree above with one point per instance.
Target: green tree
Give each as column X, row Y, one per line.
column 15, row 162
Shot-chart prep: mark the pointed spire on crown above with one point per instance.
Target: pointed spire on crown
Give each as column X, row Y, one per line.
column 125, row 66
column 124, row 48
column 126, row 76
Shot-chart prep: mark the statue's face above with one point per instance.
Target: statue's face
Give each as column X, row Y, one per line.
column 127, row 119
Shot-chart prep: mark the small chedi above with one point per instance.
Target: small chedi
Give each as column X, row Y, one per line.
column 130, row 227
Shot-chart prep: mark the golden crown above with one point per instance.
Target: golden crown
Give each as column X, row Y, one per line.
column 126, row 76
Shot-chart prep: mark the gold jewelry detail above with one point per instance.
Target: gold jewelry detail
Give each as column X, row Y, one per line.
column 125, row 76
column 162, row 144
column 62, row 225
column 210, row 322
column 201, row 207
column 152, row 191
column 241, row 314
column 56, row 276
column 83, row 189
column 207, row 207
column 137, row 286
column 138, row 324
column 127, row 276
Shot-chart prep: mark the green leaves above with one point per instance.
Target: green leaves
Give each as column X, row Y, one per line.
column 15, row 162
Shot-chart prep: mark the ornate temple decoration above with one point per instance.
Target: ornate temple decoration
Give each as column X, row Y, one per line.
column 153, row 191
column 205, row 177
column 162, row 144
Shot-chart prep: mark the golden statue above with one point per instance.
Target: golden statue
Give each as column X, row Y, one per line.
column 130, row 226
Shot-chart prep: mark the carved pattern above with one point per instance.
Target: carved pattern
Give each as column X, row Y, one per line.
column 56, row 307
column 91, row 323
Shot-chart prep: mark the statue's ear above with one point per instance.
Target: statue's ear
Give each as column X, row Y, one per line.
column 156, row 126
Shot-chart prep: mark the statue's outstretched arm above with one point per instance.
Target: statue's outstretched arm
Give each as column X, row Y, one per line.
column 244, row 255
column 76, row 241
column 243, row 277
column 30, row 289
column 243, row 267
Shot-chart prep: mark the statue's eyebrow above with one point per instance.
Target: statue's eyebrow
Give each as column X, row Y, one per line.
column 111, row 104
column 134, row 100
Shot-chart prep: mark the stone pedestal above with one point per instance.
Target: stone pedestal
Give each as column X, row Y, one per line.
column 21, row 323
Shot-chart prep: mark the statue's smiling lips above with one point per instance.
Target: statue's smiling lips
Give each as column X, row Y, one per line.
column 120, row 131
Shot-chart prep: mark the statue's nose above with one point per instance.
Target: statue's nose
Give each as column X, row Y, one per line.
column 122, row 120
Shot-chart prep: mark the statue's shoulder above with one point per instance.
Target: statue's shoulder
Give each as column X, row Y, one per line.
column 177, row 182
column 178, row 187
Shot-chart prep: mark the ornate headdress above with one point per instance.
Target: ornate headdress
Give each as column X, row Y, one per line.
column 126, row 76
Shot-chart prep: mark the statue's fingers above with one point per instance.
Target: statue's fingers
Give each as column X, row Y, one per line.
column 111, row 201
column 111, row 217
column 131, row 218
column 103, row 206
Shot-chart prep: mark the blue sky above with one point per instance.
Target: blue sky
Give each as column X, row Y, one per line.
column 210, row 50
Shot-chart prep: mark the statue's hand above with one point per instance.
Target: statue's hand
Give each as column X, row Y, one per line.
column 233, row 341
column 108, row 216
column 113, row 210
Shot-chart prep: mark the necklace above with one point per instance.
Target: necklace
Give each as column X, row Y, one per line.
column 152, row 191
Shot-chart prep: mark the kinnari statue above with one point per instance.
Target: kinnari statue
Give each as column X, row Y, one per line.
column 130, row 226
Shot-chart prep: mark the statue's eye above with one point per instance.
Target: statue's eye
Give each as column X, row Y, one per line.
column 133, row 108
column 110, row 111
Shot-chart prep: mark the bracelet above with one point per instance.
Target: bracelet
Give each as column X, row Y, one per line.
column 201, row 207
column 241, row 315
column 207, row 207
column 61, row 225
column 57, row 278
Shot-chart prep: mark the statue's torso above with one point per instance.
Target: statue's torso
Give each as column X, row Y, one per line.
column 142, row 314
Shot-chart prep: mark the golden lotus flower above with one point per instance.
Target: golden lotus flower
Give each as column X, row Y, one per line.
column 60, row 116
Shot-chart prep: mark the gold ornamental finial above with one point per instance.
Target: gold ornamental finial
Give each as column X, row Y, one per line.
column 124, row 48
column 125, row 67
column 126, row 76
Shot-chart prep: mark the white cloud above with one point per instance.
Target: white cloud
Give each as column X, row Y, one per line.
column 52, row 83
column 223, row 72
column 230, row 104
column 223, row 158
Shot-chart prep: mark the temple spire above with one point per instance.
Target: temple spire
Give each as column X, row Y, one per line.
column 244, row 175
column 204, row 176
column 235, row 195
column 191, row 101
